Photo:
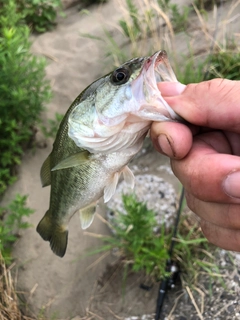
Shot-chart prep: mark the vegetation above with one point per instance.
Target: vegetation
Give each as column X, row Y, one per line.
column 135, row 239
column 39, row 15
column 11, row 221
column 23, row 89
column 224, row 63
column 50, row 130
column 141, row 248
column 143, row 32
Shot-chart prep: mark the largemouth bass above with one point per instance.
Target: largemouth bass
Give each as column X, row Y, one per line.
column 99, row 135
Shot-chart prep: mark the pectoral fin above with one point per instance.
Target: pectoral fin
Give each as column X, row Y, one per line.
column 73, row 161
column 128, row 176
column 110, row 189
column 87, row 215
column 45, row 172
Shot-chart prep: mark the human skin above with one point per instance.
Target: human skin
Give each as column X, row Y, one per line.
column 205, row 152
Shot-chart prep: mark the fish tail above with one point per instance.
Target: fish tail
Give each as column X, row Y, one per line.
column 56, row 234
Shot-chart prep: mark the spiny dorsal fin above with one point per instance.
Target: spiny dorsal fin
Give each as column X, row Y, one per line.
column 128, row 176
column 110, row 189
column 45, row 172
column 73, row 161
column 87, row 215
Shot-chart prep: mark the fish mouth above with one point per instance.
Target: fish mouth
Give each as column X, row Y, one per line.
column 162, row 68
column 155, row 69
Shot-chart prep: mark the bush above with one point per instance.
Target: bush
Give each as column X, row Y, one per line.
column 39, row 15
column 23, row 90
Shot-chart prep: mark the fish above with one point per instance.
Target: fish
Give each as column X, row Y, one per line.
column 101, row 132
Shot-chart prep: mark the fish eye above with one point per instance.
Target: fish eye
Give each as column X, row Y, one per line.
column 120, row 76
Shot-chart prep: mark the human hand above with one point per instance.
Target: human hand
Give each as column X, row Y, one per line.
column 205, row 154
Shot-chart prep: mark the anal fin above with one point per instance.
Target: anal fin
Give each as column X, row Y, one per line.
column 87, row 215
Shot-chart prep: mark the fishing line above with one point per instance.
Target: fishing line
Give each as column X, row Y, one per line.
column 171, row 267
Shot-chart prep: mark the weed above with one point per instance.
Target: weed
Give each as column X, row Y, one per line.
column 141, row 248
column 224, row 63
column 136, row 241
column 11, row 220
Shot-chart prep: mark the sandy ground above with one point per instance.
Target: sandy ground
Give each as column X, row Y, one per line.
column 75, row 286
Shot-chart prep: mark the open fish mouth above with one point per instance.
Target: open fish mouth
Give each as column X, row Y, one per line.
column 158, row 67
column 155, row 69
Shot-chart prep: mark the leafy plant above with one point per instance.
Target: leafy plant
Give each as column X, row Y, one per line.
column 136, row 241
column 145, row 250
column 39, row 15
column 23, row 90
column 11, row 220
column 51, row 129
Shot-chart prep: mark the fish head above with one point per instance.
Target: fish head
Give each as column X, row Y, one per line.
column 117, row 110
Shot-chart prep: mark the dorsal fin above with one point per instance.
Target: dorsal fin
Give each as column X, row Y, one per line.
column 45, row 172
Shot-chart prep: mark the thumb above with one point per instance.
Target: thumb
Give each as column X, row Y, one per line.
column 214, row 103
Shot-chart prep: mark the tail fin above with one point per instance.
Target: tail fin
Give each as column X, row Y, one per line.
column 56, row 234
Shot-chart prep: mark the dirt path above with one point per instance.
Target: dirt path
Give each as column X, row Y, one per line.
column 64, row 288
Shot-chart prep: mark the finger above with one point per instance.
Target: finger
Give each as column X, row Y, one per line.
column 222, row 215
column 172, row 139
column 209, row 171
column 171, row 88
column 227, row 239
column 213, row 104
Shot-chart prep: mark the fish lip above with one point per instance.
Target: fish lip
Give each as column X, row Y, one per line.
column 157, row 69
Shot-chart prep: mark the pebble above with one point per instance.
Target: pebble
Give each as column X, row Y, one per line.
column 159, row 196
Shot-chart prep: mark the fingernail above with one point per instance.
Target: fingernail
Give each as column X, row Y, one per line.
column 179, row 87
column 165, row 145
column 231, row 185
column 171, row 88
